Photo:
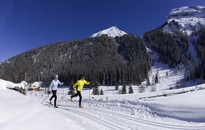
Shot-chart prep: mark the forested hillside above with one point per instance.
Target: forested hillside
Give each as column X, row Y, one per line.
column 103, row 59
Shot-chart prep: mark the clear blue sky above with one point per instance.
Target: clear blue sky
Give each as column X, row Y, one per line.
column 27, row 24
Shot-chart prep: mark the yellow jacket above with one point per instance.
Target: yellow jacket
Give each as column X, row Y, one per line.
column 80, row 83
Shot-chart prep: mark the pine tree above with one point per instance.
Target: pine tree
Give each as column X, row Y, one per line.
column 124, row 89
column 116, row 86
column 157, row 77
column 131, row 90
column 148, row 81
column 101, row 92
column 95, row 88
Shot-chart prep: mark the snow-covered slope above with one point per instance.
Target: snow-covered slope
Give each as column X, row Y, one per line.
column 186, row 19
column 111, row 32
column 20, row 113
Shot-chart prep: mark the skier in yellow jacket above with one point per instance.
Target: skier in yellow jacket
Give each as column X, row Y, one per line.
column 80, row 83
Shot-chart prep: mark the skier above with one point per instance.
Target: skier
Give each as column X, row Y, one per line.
column 80, row 83
column 54, row 86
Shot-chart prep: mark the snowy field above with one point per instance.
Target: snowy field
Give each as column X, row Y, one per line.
column 107, row 112
column 168, row 105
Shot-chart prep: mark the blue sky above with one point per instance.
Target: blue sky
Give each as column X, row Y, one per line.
column 28, row 24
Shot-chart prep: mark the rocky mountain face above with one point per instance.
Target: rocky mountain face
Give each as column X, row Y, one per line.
column 181, row 39
column 103, row 59
column 186, row 19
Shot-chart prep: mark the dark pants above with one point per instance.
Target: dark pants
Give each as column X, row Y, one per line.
column 80, row 96
column 54, row 96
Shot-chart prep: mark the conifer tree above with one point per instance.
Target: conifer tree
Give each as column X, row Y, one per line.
column 131, row 89
column 124, row 89
column 116, row 86
column 95, row 88
column 101, row 92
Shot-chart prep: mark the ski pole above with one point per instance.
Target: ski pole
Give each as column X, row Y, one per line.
column 45, row 98
column 47, row 95
column 89, row 96
column 62, row 97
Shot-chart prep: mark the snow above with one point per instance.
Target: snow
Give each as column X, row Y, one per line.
column 188, row 11
column 189, row 107
column 192, row 49
column 18, row 112
column 36, row 84
column 6, row 84
column 190, row 19
column 165, row 108
column 111, row 32
column 171, row 104
column 128, row 112
column 168, row 110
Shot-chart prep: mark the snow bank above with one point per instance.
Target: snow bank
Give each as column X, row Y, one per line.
column 20, row 113
column 6, row 84
column 188, row 106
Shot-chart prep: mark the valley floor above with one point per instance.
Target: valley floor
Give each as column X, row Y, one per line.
column 173, row 104
column 122, row 112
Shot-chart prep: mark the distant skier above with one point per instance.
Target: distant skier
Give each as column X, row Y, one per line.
column 80, row 83
column 54, row 86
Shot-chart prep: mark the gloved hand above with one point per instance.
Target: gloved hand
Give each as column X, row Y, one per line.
column 49, row 92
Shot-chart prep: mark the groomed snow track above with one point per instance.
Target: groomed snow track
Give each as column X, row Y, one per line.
column 111, row 120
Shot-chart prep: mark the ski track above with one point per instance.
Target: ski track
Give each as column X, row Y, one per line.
column 117, row 121
column 150, row 123
column 114, row 120
column 93, row 117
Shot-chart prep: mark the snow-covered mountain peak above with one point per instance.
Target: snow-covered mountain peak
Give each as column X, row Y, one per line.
column 111, row 32
column 186, row 19
column 187, row 11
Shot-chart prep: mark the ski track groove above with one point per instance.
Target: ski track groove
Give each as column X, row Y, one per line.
column 150, row 123
column 112, row 126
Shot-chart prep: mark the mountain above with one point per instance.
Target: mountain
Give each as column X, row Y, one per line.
column 103, row 60
column 181, row 40
column 111, row 32
column 109, row 57
column 186, row 19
